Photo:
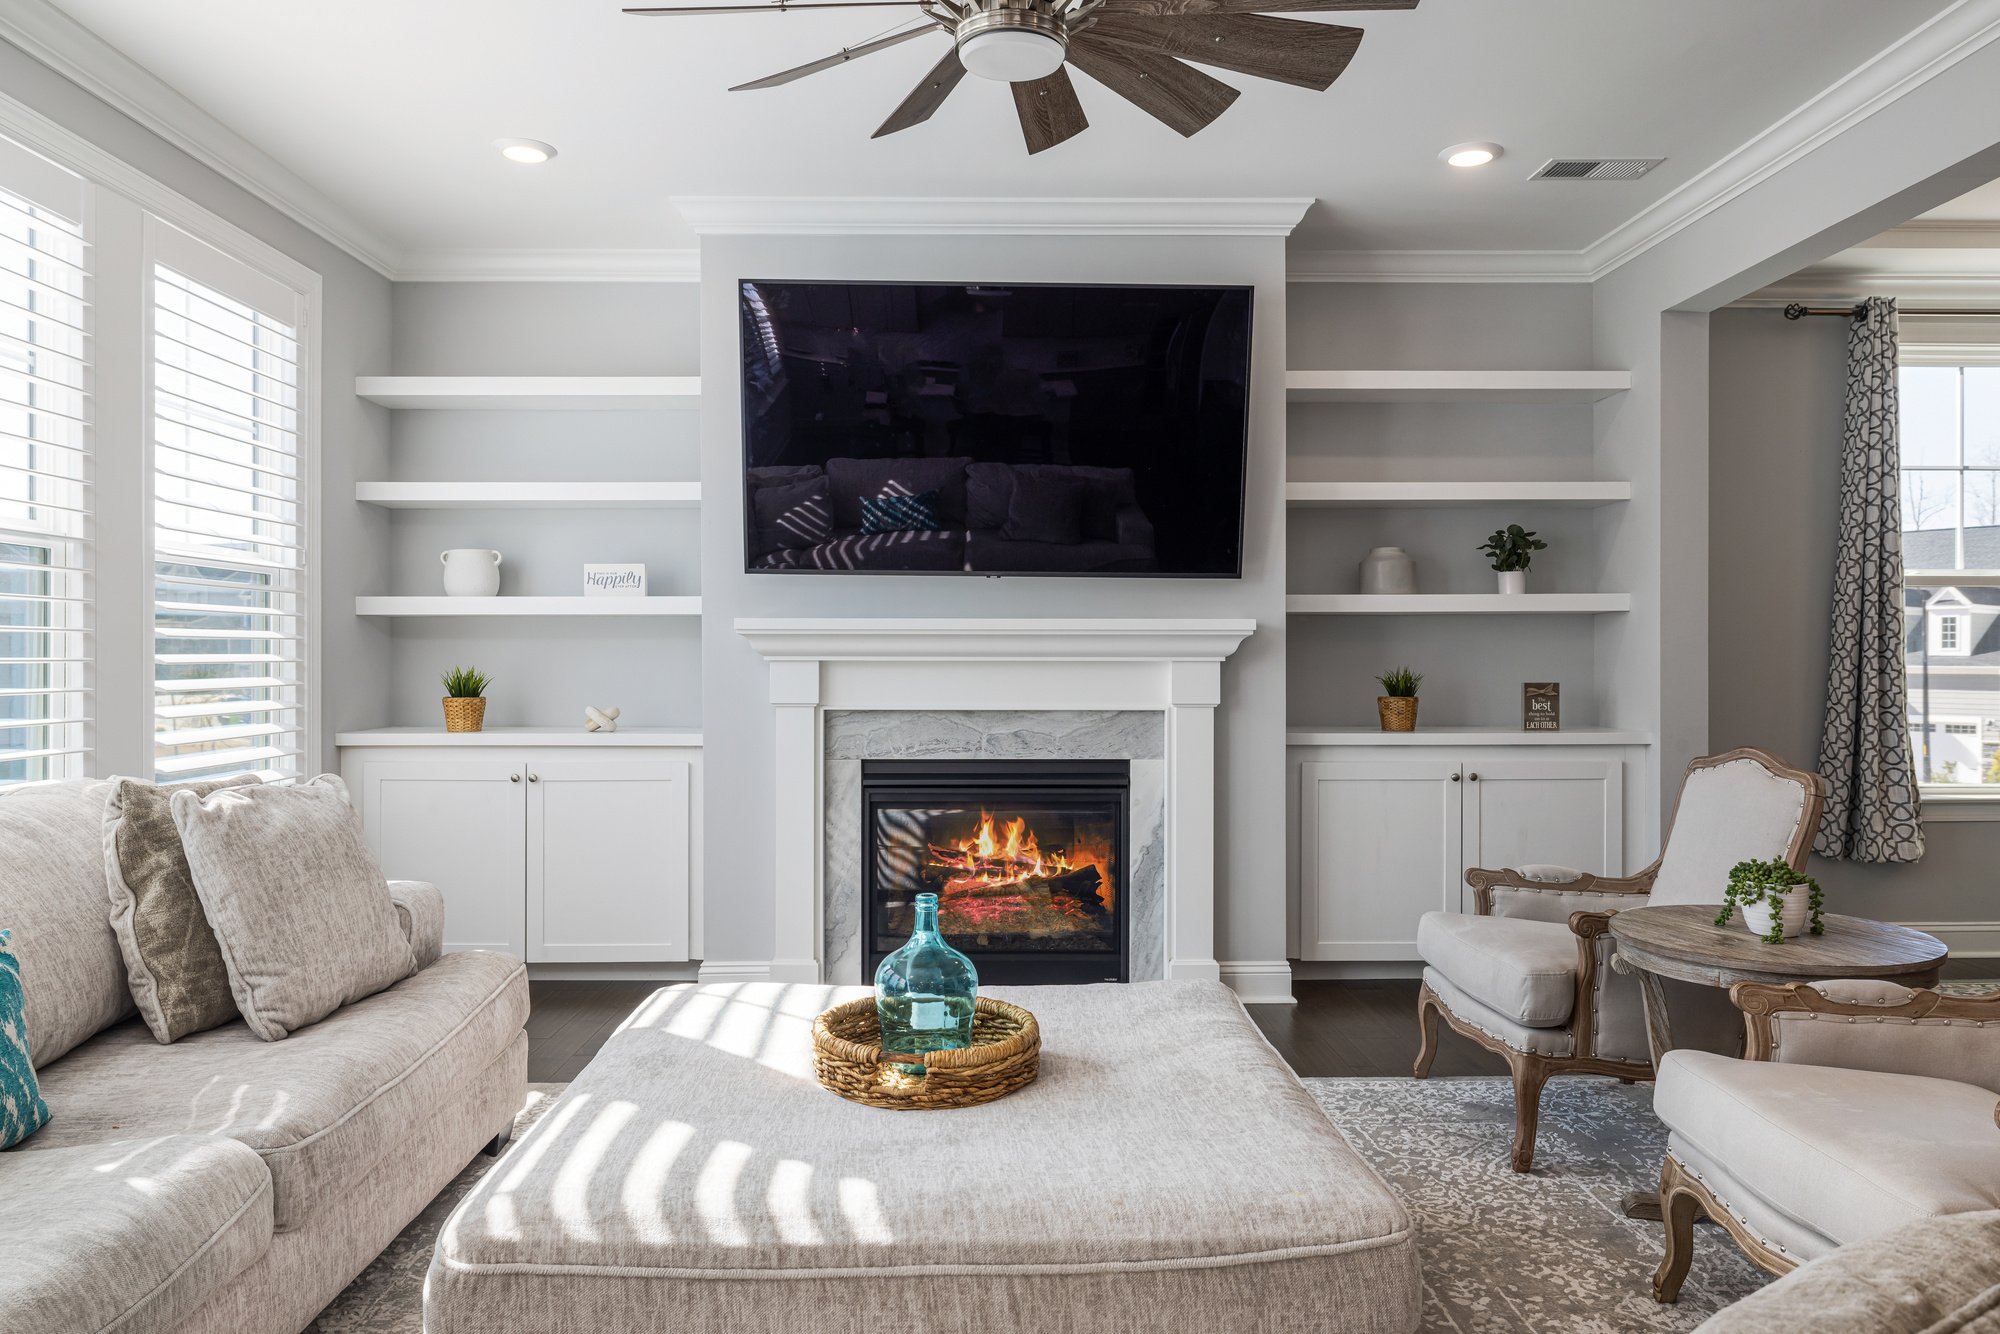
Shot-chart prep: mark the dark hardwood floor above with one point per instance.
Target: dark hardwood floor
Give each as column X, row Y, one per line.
column 1336, row 1029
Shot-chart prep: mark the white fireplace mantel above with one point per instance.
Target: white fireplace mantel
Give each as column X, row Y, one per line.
column 1174, row 666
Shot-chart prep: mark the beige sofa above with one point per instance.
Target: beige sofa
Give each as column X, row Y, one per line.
column 225, row 1183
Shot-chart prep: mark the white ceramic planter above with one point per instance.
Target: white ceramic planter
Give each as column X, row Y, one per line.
column 1798, row 908
column 1513, row 581
column 471, row 572
column 1388, row 570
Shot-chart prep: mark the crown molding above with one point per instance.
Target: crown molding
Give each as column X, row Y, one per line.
column 1957, row 33
column 87, row 60
column 738, row 215
column 1436, row 266
column 1940, row 290
column 530, row 266
column 1937, row 234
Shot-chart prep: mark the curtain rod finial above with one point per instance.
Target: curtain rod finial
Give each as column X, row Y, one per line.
column 1795, row 311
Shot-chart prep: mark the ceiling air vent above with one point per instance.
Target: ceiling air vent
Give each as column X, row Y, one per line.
column 1596, row 168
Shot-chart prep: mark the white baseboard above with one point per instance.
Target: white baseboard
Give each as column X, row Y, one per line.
column 1967, row 940
column 741, row 970
column 1259, row 981
column 1354, row 970
column 611, row 972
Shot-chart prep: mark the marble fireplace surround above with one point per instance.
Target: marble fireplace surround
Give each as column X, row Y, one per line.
column 852, row 737
column 825, row 670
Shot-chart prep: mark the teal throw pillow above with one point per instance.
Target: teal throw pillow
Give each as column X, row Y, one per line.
column 22, row 1111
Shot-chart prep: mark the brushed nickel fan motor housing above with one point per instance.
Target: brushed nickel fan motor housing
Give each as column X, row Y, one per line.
column 1038, row 23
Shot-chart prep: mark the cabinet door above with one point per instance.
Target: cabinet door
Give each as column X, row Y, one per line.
column 1378, row 848
column 608, row 860
column 460, row 824
column 1565, row 812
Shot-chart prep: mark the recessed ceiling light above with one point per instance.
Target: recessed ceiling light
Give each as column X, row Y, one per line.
column 1470, row 155
column 528, row 151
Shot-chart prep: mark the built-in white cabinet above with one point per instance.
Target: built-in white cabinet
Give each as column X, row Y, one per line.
column 558, row 854
column 1386, row 834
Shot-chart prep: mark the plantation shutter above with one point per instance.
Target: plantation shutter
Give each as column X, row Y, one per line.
column 229, row 536
column 45, row 519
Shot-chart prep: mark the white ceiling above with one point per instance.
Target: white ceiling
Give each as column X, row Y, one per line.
column 388, row 107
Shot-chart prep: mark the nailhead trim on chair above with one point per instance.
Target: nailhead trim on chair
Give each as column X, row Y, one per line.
column 1735, row 1213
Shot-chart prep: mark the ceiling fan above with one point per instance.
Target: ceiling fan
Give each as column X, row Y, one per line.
column 1136, row 48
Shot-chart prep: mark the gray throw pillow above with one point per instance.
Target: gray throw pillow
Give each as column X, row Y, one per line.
column 298, row 903
column 172, row 963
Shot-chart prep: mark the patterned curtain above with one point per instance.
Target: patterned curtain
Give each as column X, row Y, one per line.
column 1872, row 813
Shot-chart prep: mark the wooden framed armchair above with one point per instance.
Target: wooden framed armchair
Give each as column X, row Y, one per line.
column 1860, row 1107
column 1528, row 975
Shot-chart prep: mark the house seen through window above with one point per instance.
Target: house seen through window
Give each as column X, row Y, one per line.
column 1951, row 560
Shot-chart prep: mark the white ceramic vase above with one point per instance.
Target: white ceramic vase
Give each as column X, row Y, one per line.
column 471, row 572
column 1388, row 570
column 1513, row 581
column 1798, row 907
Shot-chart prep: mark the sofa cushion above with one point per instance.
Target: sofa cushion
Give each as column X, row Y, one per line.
column 1525, row 970
column 855, row 480
column 1845, row 1153
column 790, row 515
column 172, row 962
column 129, row 1234
column 52, row 898
column 1106, row 492
column 1045, row 509
column 896, row 511
column 939, row 549
column 22, row 1111
column 298, row 903
column 320, row 1106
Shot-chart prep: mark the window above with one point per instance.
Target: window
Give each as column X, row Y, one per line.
column 229, row 540
column 1950, row 419
column 45, row 548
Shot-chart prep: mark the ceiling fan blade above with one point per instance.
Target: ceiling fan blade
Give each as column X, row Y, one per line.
column 781, row 7
column 926, row 97
column 1185, row 99
column 1169, row 8
column 842, row 57
column 1307, row 55
column 1049, row 111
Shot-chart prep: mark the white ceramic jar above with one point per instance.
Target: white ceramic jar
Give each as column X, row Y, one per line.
column 471, row 572
column 1798, row 907
column 1513, row 581
column 1388, row 570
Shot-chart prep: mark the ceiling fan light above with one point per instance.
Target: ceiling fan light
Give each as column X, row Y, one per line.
column 1470, row 155
column 1011, row 55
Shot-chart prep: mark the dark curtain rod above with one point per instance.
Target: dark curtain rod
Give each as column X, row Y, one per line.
column 1795, row 311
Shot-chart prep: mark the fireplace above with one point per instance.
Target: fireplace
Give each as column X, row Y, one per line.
column 1028, row 859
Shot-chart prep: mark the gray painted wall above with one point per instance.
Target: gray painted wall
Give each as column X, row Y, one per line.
column 354, row 340
column 546, row 671
column 1774, row 494
column 736, row 712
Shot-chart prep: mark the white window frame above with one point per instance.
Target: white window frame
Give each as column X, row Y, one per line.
column 123, row 203
column 1950, row 634
column 1951, row 802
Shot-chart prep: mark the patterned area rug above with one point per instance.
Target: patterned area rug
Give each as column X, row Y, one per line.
column 1544, row 1253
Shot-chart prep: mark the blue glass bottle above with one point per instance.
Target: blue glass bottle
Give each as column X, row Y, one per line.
column 924, row 991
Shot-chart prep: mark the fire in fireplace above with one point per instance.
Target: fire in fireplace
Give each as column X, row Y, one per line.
column 1026, row 857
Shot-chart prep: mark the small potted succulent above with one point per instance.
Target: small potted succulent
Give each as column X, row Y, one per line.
column 1398, row 702
column 465, row 699
column 1511, row 548
column 1777, row 901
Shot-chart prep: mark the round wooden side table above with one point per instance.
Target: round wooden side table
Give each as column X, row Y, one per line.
column 1682, row 941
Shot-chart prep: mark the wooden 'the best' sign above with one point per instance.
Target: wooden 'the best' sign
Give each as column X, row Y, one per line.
column 1541, row 706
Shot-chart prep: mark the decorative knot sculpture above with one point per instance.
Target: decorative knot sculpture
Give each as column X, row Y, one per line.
column 600, row 720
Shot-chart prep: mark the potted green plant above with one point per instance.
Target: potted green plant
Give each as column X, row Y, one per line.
column 1511, row 548
column 1777, row 901
column 465, row 699
column 1397, row 704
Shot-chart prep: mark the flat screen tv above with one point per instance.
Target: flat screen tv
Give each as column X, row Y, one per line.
column 990, row 429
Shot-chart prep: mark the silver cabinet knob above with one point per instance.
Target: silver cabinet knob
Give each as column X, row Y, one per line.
column 1472, row 778
column 513, row 778
column 534, row 778
column 1454, row 778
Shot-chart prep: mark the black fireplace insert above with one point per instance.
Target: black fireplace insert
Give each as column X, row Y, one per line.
column 1027, row 858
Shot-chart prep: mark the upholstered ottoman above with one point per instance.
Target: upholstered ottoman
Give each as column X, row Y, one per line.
column 1166, row 1172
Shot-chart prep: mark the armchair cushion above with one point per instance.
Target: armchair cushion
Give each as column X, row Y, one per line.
column 1521, row 969
column 1942, row 1048
column 1553, row 903
column 1728, row 813
column 1844, row 1153
column 1480, row 1015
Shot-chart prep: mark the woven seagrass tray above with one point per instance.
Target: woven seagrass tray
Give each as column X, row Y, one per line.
column 1005, row 1055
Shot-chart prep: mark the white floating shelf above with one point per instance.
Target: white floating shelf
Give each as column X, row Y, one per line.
column 1308, row 495
column 1431, row 604
column 529, row 495
column 518, row 736
column 1464, row 736
column 527, row 606
column 1454, row 386
column 595, row 392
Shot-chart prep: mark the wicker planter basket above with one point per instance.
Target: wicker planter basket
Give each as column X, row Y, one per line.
column 1005, row 1055
column 1399, row 712
column 464, row 713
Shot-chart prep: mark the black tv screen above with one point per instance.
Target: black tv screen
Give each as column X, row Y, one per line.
column 987, row 429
